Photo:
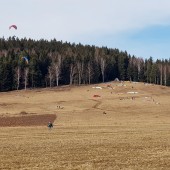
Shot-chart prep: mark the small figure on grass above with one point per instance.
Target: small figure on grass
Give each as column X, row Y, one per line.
column 50, row 125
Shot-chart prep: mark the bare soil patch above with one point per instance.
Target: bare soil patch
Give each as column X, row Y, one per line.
column 31, row 120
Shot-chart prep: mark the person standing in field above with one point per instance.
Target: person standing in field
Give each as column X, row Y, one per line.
column 50, row 125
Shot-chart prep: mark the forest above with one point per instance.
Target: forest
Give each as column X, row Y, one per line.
column 27, row 63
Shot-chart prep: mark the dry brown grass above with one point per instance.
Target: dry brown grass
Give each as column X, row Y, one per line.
column 132, row 135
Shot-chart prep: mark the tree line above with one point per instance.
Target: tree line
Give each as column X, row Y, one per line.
column 53, row 63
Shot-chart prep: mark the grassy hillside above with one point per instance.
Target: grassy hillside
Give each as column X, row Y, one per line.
column 125, row 127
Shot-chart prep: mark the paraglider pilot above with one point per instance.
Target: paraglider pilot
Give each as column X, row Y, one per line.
column 50, row 125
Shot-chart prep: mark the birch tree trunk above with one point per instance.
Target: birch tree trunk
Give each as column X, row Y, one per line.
column 80, row 67
column 89, row 69
column 103, row 66
column 72, row 73
column 161, row 76
column 50, row 75
column 57, row 67
column 26, row 71
column 165, row 74
column 18, row 76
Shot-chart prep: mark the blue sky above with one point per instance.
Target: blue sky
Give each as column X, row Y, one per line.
column 141, row 27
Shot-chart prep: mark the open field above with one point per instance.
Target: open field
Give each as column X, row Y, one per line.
column 127, row 127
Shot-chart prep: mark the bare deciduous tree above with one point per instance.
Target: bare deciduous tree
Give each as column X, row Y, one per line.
column 80, row 68
column 57, row 67
column 161, row 73
column 51, row 75
column 100, row 59
column 18, row 76
column 72, row 72
column 26, row 71
column 165, row 74
column 90, row 71
column 139, row 62
column 103, row 66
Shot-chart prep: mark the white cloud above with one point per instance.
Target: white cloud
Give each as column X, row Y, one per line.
column 69, row 19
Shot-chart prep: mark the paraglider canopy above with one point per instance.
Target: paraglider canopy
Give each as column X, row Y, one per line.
column 13, row 26
column 26, row 59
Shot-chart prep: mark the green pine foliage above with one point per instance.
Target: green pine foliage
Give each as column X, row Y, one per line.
column 53, row 63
